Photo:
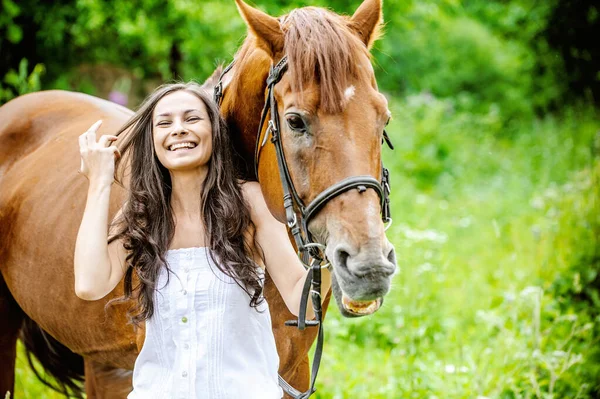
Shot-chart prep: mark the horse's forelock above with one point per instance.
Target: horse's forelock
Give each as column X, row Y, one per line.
column 321, row 48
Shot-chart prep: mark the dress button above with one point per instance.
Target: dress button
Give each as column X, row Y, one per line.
column 184, row 292
column 184, row 374
column 186, row 346
column 184, row 319
column 187, row 269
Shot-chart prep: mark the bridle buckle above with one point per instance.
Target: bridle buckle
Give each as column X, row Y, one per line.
column 293, row 222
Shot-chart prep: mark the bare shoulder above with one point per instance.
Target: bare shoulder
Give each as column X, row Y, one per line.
column 252, row 193
column 250, row 188
column 254, row 197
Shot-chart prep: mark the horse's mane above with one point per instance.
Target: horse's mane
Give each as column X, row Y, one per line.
column 321, row 47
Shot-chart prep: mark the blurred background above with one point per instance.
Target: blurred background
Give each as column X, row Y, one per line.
column 496, row 176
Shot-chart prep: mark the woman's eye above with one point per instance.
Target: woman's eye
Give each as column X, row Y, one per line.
column 164, row 123
column 193, row 119
column 295, row 122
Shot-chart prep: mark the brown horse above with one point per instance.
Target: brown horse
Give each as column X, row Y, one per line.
column 332, row 119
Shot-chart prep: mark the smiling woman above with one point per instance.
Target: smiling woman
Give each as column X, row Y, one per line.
column 188, row 227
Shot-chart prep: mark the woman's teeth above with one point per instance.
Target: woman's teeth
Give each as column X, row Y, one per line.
column 177, row 146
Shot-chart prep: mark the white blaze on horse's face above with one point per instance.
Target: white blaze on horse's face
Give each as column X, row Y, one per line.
column 182, row 132
column 349, row 93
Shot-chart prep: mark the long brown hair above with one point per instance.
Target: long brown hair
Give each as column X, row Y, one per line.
column 147, row 223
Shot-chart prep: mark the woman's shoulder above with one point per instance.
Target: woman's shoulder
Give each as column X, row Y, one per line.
column 254, row 197
column 251, row 191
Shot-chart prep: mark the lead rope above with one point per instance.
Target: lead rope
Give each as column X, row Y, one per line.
column 314, row 277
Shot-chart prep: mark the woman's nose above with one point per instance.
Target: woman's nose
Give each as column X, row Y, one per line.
column 178, row 130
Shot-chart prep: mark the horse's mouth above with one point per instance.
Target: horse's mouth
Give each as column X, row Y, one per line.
column 360, row 308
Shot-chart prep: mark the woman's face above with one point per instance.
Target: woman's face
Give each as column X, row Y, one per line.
column 182, row 132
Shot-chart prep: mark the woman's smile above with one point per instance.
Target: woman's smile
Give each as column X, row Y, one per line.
column 183, row 146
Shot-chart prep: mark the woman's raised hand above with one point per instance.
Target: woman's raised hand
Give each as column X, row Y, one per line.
column 98, row 158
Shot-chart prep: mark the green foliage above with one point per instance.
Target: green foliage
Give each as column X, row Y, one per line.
column 178, row 39
column 16, row 83
column 14, row 32
column 479, row 55
column 453, row 52
column 579, row 285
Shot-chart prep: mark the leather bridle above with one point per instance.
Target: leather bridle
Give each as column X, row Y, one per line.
column 311, row 253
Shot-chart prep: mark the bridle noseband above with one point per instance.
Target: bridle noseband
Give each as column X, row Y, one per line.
column 311, row 253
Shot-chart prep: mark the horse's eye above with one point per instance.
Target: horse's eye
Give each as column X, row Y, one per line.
column 295, row 122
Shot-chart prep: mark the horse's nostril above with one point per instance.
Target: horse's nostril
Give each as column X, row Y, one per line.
column 342, row 258
column 367, row 263
column 392, row 256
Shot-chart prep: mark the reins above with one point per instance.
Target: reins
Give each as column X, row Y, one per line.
column 312, row 254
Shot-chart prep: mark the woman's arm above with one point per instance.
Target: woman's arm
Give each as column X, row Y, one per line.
column 98, row 266
column 281, row 260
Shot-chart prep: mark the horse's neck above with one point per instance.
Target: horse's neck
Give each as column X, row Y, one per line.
column 243, row 101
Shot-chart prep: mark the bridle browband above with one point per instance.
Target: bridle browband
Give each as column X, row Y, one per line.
column 311, row 253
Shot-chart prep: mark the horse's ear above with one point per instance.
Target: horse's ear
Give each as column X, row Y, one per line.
column 265, row 27
column 367, row 20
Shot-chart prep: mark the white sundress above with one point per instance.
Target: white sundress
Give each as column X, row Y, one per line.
column 204, row 341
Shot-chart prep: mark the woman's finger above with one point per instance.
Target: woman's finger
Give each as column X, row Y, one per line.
column 91, row 133
column 116, row 151
column 106, row 140
column 83, row 142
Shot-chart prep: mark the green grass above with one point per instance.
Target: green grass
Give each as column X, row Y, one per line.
column 27, row 386
column 492, row 227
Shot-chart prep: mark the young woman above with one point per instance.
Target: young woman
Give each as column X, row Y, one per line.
column 191, row 243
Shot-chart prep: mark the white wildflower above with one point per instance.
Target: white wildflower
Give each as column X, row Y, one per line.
column 450, row 369
column 424, row 268
column 465, row 222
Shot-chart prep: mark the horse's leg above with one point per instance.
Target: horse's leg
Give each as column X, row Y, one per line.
column 12, row 319
column 105, row 382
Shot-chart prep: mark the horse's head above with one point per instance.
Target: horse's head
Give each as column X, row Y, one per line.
column 332, row 120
